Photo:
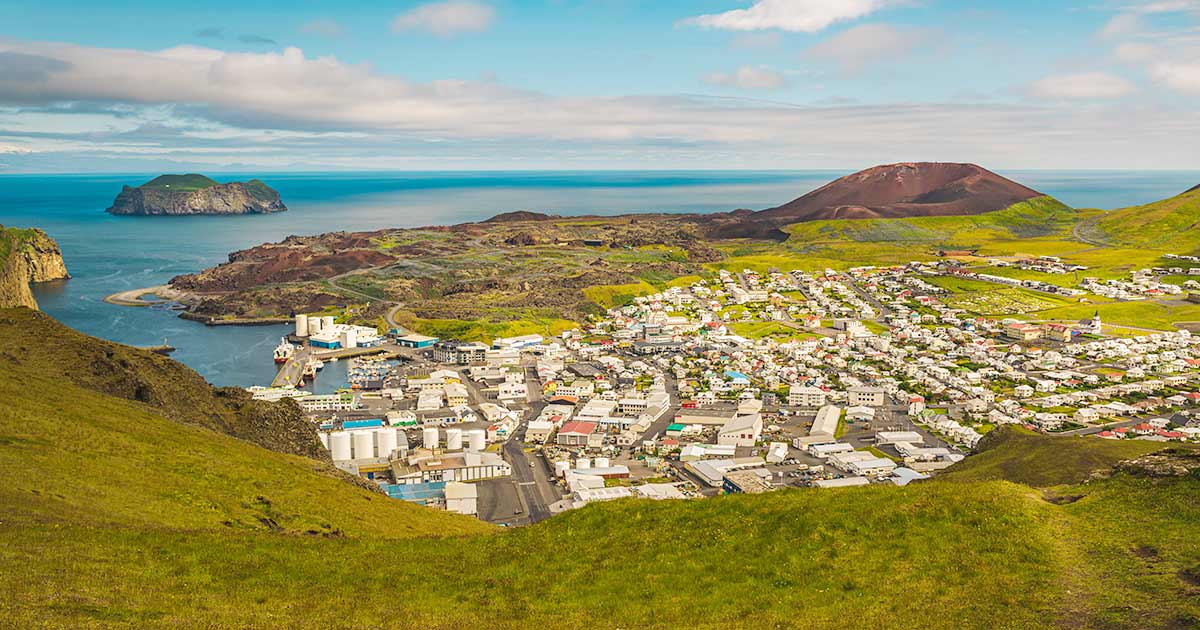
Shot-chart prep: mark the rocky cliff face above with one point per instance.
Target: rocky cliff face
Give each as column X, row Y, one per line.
column 253, row 197
column 27, row 256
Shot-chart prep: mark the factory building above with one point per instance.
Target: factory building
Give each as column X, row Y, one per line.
column 518, row 343
column 464, row 466
column 414, row 340
column 344, row 336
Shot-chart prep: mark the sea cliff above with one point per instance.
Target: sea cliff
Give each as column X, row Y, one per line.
column 27, row 255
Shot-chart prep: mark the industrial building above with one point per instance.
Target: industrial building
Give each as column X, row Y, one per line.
column 741, row 431
column 345, row 336
column 413, row 340
column 518, row 343
column 826, row 422
column 464, row 466
column 576, row 433
column 749, row 481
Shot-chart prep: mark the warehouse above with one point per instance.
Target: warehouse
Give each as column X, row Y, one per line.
column 826, row 422
column 576, row 433
column 741, row 431
column 416, row 341
column 464, row 466
column 752, row 481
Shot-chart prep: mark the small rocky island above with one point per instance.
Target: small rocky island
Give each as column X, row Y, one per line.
column 196, row 195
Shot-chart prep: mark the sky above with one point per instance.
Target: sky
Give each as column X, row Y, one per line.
column 314, row 85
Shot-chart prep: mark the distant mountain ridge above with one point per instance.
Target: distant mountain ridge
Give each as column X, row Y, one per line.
column 194, row 194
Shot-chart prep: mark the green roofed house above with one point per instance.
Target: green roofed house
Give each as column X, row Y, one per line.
column 675, row 430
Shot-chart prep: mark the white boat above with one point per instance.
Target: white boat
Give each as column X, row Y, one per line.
column 284, row 351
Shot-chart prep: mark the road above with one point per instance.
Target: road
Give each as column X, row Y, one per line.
column 534, row 483
column 1107, row 427
column 389, row 317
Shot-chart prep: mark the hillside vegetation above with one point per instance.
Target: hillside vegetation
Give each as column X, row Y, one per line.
column 191, row 181
column 1169, row 224
column 33, row 344
column 116, row 516
column 1041, row 461
column 1036, row 218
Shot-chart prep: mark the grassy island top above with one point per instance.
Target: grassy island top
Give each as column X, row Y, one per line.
column 191, row 181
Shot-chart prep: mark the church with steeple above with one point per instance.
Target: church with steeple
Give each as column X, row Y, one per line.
column 1091, row 326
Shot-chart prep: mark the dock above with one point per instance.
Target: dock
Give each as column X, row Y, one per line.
column 292, row 372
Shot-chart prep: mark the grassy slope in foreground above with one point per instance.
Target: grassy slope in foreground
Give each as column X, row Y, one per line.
column 1168, row 225
column 115, row 516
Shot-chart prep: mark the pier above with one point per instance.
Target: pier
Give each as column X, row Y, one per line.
column 292, row 372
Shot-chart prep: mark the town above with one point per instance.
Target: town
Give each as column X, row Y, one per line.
column 742, row 383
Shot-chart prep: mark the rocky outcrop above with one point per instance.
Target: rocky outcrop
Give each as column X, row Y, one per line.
column 1171, row 462
column 27, row 256
column 252, row 197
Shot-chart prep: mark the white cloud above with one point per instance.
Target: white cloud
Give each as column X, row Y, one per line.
column 324, row 28
column 1081, row 86
column 192, row 105
column 857, row 47
column 1183, row 76
column 802, row 16
column 748, row 78
column 444, row 19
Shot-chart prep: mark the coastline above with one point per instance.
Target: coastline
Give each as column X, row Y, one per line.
column 164, row 293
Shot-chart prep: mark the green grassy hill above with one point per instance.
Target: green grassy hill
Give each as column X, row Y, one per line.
column 1168, row 225
column 33, row 343
column 187, row 182
column 1041, row 461
column 113, row 515
column 1037, row 218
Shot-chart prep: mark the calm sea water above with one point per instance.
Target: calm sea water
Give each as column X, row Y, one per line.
column 108, row 254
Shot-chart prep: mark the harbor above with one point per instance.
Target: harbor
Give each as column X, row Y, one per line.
column 319, row 340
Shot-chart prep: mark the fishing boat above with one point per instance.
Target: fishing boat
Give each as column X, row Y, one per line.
column 311, row 367
column 284, row 351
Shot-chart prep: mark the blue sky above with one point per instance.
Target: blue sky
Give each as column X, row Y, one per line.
column 598, row 84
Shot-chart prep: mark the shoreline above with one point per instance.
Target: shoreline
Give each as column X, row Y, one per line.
column 164, row 294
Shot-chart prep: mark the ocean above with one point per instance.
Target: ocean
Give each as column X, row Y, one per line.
column 107, row 254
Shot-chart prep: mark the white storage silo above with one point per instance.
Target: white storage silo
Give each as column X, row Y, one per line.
column 601, row 462
column 429, row 438
column 385, row 440
column 364, row 444
column 477, row 439
column 454, row 439
column 314, row 325
column 324, row 440
column 583, row 463
column 350, row 338
column 327, row 322
column 561, row 468
column 302, row 325
column 339, row 445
